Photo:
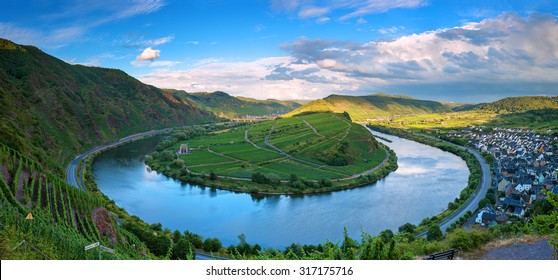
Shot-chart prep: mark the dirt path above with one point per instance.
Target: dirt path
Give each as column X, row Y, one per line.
column 311, row 127
column 286, row 154
column 223, row 155
column 254, row 144
column 370, row 170
column 525, row 248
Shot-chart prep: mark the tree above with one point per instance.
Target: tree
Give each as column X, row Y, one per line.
column 166, row 155
column 212, row 245
column 176, row 236
column 386, row 236
column 212, row 176
column 408, row 227
column 183, row 250
column 434, row 233
column 177, row 163
column 243, row 247
column 293, row 179
column 194, row 239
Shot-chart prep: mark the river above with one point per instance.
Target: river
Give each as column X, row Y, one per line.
column 426, row 180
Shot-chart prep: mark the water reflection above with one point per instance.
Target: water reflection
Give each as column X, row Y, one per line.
column 427, row 179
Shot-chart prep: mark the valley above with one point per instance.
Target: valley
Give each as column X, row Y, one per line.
column 268, row 158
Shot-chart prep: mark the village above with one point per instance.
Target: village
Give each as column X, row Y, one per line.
column 525, row 166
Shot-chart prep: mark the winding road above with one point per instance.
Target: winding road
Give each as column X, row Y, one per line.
column 472, row 203
column 74, row 176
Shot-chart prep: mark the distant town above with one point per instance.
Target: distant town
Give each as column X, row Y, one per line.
column 525, row 165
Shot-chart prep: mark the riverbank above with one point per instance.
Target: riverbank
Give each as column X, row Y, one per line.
column 478, row 182
column 408, row 194
column 284, row 187
column 165, row 161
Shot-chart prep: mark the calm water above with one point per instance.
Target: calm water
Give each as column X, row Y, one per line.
column 427, row 179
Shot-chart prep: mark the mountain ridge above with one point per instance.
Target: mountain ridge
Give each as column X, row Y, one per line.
column 362, row 108
column 224, row 105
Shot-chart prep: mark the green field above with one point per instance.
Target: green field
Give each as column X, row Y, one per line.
column 312, row 142
column 538, row 120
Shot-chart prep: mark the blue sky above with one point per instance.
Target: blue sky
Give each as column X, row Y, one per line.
column 470, row 50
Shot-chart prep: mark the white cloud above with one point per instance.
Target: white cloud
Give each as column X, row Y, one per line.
column 148, row 54
column 323, row 20
column 311, row 12
column 506, row 48
column 305, row 8
column 55, row 38
column 388, row 30
column 139, row 7
column 259, row 28
column 273, row 77
column 361, row 21
column 164, row 63
column 160, row 41
column 139, row 42
column 379, row 6
column 72, row 20
column 499, row 55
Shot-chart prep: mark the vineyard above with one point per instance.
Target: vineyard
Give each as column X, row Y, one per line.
column 64, row 219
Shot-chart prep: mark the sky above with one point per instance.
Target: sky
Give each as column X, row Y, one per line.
column 463, row 51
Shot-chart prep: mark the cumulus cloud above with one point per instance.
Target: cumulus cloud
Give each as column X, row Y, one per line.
column 501, row 55
column 507, row 47
column 149, row 54
column 273, row 77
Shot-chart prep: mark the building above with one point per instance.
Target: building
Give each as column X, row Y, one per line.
column 183, row 149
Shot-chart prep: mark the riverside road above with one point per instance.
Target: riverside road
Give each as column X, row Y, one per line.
column 74, row 177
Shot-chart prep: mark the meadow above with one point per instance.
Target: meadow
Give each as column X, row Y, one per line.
column 305, row 145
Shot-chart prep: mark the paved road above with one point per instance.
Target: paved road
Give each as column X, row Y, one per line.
column 472, row 203
column 207, row 257
column 74, row 176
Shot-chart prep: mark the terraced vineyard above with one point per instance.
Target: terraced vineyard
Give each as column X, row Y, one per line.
column 311, row 146
column 63, row 216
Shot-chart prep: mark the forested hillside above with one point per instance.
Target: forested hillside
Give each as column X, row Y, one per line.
column 520, row 104
column 52, row 110
column 226, row 106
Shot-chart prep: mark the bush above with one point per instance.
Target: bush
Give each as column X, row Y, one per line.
column 407, row 228
column 466, row 241
column 212, row 245
column 434, row 233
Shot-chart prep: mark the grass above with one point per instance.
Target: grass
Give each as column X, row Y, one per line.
column 311, row 140
column 538, row 120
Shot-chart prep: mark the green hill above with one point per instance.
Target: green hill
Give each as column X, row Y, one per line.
column 320, row 151
column 377, row 106
column 226, row 106
column 52, row 110
column 466, row 107
column 65, row 219
column 520, row 104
